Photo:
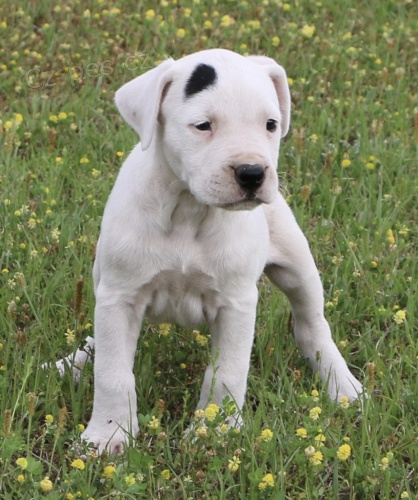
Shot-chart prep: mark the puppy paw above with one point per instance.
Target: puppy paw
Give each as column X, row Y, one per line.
column 345, row 386
column 110, row 437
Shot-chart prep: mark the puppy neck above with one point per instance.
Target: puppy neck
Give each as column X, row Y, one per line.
column 168, row 201
column 181, row 212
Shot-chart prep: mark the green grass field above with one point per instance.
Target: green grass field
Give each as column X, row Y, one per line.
column 349, row 170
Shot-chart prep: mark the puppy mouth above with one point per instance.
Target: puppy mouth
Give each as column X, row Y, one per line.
column 248, row 202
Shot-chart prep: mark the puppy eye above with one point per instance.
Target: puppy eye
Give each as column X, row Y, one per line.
column 203, row 126
column 271, row 125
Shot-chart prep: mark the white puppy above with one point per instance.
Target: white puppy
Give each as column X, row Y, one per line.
column 194, row 219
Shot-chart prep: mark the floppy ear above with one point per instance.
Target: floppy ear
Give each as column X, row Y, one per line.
column 139, row 100
column 278, row 75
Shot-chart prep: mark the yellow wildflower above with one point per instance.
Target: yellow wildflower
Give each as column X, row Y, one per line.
column 200, row 414
column 202, row 431
column 164, row 329
column 399, row 317
column 233, row 464
column 344, row 402
column 154, row 424
column 315, row 412
column 344, row 452
column 21, row 478
column 129, row 480
column 150, row 14
column 108, row 471
column 211, row 411
column 302, row 433
column 266, row 435
column 165, row 474
column 49, row 419
column 84, row 160
column 230, row 408
column 275, row 41
column 200, row 339
column 262, row 486
column 345, row 163
column 389, row 237
column 320, row 439
column 308, row 31
column 46, row 485
column 268, row 481
column 384, row 463
column 315, row 395
column 316, row 458
column 254, row 24
column 70, row 336
column 78, row 464
column 181, row 33
column 226, row 21
column 22, row 463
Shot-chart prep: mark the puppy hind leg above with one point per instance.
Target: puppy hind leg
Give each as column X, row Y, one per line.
column 76, row 361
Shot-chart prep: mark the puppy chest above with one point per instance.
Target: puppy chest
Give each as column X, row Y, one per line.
column 187, row 299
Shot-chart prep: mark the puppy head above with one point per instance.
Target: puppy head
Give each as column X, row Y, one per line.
column 220, row 117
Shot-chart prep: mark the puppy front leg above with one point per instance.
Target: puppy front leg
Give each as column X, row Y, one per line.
column 294, row 271
column 114, row 417
column 232, row 338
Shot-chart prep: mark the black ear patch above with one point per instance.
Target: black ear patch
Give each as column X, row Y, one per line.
column 203, row 76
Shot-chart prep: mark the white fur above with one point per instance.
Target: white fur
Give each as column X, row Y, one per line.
column 181, row 242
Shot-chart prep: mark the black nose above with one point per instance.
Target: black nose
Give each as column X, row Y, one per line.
column 249, row 177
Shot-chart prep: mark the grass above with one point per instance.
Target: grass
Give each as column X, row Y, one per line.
column 349, row 167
